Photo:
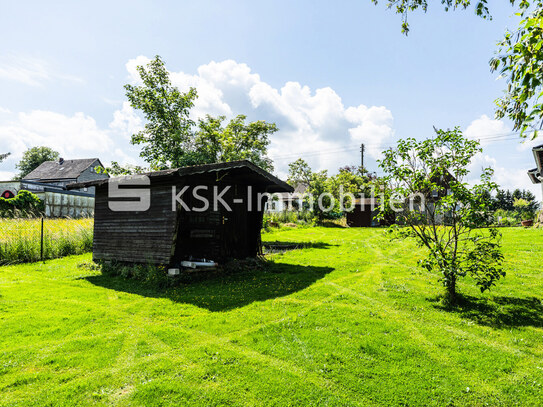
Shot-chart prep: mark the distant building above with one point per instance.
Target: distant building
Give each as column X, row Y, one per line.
column 287, row 200
column 49, row 182
column 536, row 174
column 63, row 172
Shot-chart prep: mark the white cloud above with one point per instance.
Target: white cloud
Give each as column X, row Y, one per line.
column 314, row 125
column 126, row 121
column 487, row 130
column 4, row 110
column 505, row 177
column 76, row 136
column 30, row 71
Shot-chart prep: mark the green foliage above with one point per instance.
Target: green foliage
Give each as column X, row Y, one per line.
column 166, row 137
column 301, row 217
column 24, row 204
column 172, row 139
column 116, row 169
column 237, row 141
column 523, row 207
column 33, row 158
column 451, row 217
column 335, row 191
column 504, row 217
column 520, row 59
column 403, row 7
column 4, row 156
column 299, row 171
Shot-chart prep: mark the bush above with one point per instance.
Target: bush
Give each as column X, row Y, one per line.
column 25, row 204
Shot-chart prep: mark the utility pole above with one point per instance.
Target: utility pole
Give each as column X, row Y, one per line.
column 362, row 155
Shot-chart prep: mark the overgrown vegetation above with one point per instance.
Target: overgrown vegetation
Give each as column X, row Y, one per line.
column 24, row 204
column 20, row 239
column 341, row 318
column 329, row 197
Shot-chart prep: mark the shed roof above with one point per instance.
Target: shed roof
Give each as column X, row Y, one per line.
column 244, row 166
column 53, row 170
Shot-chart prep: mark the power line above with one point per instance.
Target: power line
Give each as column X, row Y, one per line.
column 356, row 147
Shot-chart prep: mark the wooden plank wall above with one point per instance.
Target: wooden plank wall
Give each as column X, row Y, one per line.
column 138, row 237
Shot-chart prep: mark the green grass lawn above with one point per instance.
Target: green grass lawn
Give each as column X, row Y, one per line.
column 347, row 320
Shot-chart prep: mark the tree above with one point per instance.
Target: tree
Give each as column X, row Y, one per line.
column 172, row 139
column 451, row 218
column 33, row 158
column 4, row 156
column 166, row 136
column 320, row 195
column 116, row 169
column 519, row 58
column 299, row 171
column 237, row 141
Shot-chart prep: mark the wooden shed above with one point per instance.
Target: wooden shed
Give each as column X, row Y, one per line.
column 362, row 214
column 167, row 233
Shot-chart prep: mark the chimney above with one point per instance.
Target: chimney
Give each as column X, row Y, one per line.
column 61, row 161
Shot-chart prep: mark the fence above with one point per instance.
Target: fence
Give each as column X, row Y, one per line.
column 27, row 240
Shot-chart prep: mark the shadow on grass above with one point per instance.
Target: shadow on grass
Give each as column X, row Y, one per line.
column 498, row 312
column 281, row 247
column 223, row 290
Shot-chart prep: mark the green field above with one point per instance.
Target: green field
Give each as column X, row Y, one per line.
column 20, row 239
column 347, row 320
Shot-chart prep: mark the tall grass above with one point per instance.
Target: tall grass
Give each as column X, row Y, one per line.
column 299, row 217
column 20, row 239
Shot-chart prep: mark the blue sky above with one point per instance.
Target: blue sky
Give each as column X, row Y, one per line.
column 331, row 75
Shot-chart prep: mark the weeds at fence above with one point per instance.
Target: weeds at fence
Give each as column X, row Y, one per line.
column 20, row 239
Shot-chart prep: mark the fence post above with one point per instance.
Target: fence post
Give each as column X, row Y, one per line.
column 41, row 242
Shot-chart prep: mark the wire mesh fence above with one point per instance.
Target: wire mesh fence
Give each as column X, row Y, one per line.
column 34, row 239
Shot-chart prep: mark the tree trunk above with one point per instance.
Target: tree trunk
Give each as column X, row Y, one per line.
column 451, row 289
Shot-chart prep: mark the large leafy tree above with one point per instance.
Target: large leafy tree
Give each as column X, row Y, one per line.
column 33, row 157
column 519, row 58
column 236, row 141
column 299, row 171
column 172, row 139
column 449, row 218
column 166, row 137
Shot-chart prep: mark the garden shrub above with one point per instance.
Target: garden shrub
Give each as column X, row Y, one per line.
column 25, row 203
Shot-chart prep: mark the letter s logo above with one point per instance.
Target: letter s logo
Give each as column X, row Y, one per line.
column 126, row 199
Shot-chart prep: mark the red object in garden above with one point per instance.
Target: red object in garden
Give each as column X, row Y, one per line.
column 8, row 194
column 527, row 223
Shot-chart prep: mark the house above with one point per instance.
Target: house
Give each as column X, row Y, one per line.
column 536, row 174
column 287, row 201
column 63, row 172
column 176, row 224
column 49, row 180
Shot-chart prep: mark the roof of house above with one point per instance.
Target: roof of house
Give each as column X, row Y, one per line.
column 534, row 176
column 538, row 155
column 239, row 167
column 65, row 169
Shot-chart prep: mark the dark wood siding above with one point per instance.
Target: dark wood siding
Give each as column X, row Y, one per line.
column 138, row 237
